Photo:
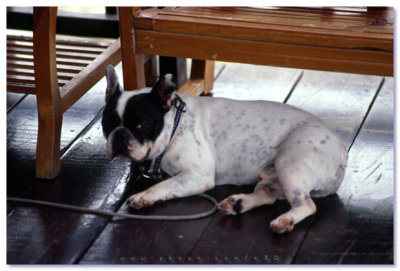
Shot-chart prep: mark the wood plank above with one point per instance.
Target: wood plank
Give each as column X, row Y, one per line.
column 356, row 226
column 13, row 99
column 278, row 32
column 60, row 60
column 30, row 80
column 321, row 28
column 26, row 45
column 68, row 42
column 192, row 87
column 249, row 82
column 60, row 54
column 29, row 65
column 340, row 99
column 288, row 49
column 361, row 15
column 17, row 71
column 29, row 73
column 21, row 88
column 264, row 53
column 173, row 243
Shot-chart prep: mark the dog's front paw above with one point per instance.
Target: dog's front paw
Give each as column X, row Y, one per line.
column 141, row 200
column 232, row 205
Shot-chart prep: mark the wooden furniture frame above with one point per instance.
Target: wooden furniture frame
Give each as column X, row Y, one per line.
column 354, row 40
column 202, row 71
column 59, row 73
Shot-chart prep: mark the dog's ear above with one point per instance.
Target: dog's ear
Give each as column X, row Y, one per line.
column 163, row 91
column 112, row 82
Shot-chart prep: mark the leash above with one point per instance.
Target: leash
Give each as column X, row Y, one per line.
column 152, row 173
column 122, row 215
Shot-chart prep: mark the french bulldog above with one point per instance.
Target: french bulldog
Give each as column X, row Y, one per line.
column 287, row 152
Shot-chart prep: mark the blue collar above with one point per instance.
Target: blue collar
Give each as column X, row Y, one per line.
column 180, row 108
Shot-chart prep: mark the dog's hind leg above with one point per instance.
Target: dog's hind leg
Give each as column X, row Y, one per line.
column 297, row 179
column 267, row 190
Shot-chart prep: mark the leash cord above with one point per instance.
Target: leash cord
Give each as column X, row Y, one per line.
column 114, row 214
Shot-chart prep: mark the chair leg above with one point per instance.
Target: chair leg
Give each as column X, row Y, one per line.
column 132, row 63
column 203, row 69
column 48, row 164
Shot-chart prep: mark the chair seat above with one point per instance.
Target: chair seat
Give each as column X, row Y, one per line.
column 336, row 39
column 74, row 58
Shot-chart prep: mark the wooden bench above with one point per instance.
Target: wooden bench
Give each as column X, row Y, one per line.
column 354, row 40
column 59, row 73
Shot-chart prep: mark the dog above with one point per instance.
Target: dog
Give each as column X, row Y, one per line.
column 287, row 152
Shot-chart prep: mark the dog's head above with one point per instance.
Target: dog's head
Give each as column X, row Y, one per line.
column 133, row 120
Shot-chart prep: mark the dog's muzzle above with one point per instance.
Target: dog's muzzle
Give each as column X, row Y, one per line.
column 118, row 143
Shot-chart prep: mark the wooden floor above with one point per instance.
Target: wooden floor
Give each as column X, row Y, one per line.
column 355, row 226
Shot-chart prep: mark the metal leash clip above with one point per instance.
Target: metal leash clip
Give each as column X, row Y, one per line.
column 179, row 104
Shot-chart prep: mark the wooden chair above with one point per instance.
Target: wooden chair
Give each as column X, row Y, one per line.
column 59, row 72
column 354, row 40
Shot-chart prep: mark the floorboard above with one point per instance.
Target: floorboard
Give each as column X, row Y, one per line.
column 252, row 82
column 340, row 99
column 356, row 225
column 13, row 99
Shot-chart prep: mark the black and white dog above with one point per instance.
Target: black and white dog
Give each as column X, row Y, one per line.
column 288, row 152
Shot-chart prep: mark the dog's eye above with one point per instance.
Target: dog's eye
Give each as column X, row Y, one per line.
column 141, row 125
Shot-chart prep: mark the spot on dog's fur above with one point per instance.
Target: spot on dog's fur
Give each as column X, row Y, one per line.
column 238, row 206
column 296, row 192
column 322, row 141
column 296, row 202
